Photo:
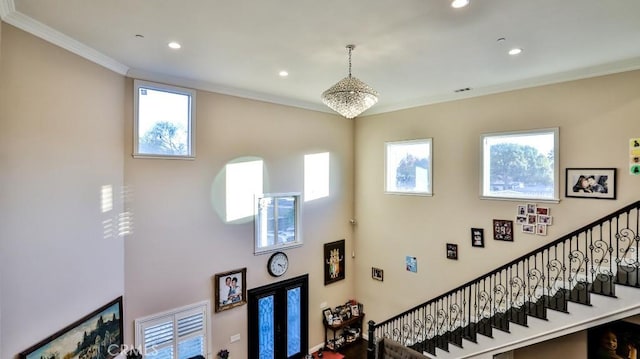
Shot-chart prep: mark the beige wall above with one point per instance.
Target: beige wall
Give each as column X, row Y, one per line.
column 596, row 118
column 180, row 241
column 61, row 140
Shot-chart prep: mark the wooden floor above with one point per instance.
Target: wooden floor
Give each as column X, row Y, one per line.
column 356, row 350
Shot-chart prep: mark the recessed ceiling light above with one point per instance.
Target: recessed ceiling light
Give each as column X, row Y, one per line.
column 174, row 45
column 283, row 73
column 515, row 51
column 459, row 3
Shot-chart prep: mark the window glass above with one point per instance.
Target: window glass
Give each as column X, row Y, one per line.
column 164, row 121
column 408, row 167
column 520, row 165
column 277, row 223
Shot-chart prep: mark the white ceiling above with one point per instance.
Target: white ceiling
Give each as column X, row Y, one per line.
column 413, row 52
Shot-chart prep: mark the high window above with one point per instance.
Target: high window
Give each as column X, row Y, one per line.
column 316, row 176
column 277, row 222
column 164, row 121
column 177, row 334
column 520, row 165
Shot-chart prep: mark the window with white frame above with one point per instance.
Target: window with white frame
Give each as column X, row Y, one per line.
column 176, row 334
column 520, row 165
column 277, row 222
column 316, row 176
column 164, row 121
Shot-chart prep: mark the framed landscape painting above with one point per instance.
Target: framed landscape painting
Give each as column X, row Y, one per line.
column 98, row 332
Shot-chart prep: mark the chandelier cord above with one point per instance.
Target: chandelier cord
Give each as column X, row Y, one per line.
column 350, row 48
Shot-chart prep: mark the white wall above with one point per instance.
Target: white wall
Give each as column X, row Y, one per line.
column 61, row 139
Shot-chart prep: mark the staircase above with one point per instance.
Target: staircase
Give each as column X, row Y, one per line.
column 583, row 279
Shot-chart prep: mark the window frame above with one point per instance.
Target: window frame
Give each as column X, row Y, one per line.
column 388, row 147
column 257, row 220
column 174, row 315
column 191, row 128
column 485, row 161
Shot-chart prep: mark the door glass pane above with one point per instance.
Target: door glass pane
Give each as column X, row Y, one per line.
column 266, row 329
column 293, row 321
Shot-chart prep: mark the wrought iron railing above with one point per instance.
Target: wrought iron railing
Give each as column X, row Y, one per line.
column 589, row 260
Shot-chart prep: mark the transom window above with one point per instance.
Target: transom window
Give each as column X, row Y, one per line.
column 277, row 222
column 520, row 165
column 164, row 121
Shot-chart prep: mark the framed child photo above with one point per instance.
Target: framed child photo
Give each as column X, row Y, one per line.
column 230, row 289
column 598, row 183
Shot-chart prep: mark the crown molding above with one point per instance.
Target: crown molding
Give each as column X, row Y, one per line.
column 6, row 7
column 38, row 29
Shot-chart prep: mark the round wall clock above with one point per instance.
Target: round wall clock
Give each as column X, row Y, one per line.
column 278, row 264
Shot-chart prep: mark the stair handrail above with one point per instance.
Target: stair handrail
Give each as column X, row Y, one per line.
column 373, row 325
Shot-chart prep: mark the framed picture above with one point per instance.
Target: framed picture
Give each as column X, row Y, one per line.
column 543, row 210
column 452, row 251
column 377, row 274
column 78, row 340
column 503, row 230
column 613, row 340
column 411, row 263
column 529, row 228
column 334, row 261
column 477, row 237
column 328, row 315
column 355, row 310
column 599, row 183
column 230, row 289
column 541, row 229
column 408, row 167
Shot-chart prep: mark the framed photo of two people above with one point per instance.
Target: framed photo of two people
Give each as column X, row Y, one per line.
column 230, row 289
column 597, row 183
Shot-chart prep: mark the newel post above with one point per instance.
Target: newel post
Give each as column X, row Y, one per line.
column 371, row 346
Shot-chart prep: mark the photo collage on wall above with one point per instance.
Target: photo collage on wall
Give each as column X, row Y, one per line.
column 534, row 219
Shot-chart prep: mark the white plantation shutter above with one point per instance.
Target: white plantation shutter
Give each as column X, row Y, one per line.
column 175, row 334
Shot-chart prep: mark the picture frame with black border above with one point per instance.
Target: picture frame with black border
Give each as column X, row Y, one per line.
column 477, row 237
column 503, row 230
column 377, row 274
column 452, row 251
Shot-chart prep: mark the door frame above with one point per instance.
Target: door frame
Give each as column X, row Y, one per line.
column 279, row 287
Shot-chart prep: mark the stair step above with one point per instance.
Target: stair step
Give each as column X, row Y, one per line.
column 603, row 285
column 537, row 309
column 517, row 316
column 500, row 321
column 558, row 301
column 628, row 276
column 580, row 294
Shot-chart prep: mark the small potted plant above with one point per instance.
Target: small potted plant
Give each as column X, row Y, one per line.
column 223, row 354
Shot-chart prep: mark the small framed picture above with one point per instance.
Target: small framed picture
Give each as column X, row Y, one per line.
column 541, row 229
column 529, row 228
column 377, row 274
column 543, row 210
column 522, row 219
column 411, row 263
column 355, row 310
column 503, row 230
column 532, row 218
column 522, row 210
column 477, row 237
column 531, row 208
column 544, row 219
column 231, row 289
column 328, row 315
column 452, row 251
column 598, row 183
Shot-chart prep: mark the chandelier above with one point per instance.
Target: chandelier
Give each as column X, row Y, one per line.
column 350, row 96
